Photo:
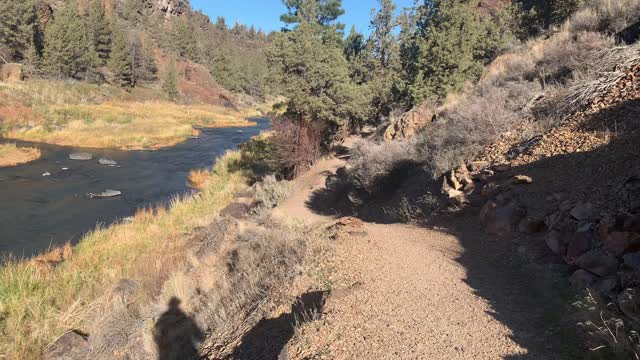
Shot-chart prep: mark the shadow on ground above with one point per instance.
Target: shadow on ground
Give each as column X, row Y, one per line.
column 177, row 335
column 532, row 298
column 268, row 339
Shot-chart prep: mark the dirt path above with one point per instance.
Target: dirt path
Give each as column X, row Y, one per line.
column 406, row 292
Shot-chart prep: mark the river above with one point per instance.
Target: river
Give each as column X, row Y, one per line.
column 38, row 211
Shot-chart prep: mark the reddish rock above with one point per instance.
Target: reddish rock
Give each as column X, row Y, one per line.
column 581, row 242
column 351, row 222
column 530, row 225
column 598, row 262
column 501, row 220
column 478, row 165
column 582, row 279
column 617, row 242
column 501, row 167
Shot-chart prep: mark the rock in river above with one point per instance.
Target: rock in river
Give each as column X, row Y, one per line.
column 105, row 194
column 105, row 161
column 81, row 156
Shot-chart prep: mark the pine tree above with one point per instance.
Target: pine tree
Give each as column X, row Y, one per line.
column 18, row 29
column 170, row 84
column 100, row 31
column 120, row 61
column 184, row 41
column 143, row 63
column 324, row 13
column 68, row 47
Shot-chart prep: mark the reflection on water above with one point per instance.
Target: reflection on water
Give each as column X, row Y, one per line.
column 39, row 211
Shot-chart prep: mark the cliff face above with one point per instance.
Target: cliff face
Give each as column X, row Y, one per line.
column 169, row 7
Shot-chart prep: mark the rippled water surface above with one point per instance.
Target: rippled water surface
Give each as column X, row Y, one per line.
column 39, row 211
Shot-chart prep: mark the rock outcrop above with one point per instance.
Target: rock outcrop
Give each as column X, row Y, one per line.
column 409, row 123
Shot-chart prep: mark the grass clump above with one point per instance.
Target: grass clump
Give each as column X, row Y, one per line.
column 12, row 155
column 38, row 302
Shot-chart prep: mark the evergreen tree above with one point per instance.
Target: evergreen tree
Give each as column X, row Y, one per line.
column 184, row 41
column 69, row 49
column 313, row 72
column 170, row 84
column 452, row 43
column 120, row 61
column 100, row 31
column 19, row 30
column 143, row 62
column 321, row 12
column 382, row 40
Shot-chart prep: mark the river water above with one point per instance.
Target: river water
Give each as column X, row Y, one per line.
column 37, row 212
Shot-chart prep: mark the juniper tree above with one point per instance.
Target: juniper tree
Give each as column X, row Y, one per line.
column 100, row 31
column 69, row 50
column 19, row 29
column 170, row 84
column 120, row 61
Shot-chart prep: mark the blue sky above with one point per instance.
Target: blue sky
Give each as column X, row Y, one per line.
column 265, row 14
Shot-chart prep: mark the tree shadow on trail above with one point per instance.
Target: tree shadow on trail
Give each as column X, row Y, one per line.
column 268, row 339
column 177, row 335
column 524, row 283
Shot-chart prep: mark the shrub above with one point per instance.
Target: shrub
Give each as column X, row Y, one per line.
column 371, row 162
column 295, row 147
column 607, row 16
column 270, row 193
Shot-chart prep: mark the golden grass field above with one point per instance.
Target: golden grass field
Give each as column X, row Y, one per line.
column 42, row 298
column 95, row 116
column 12, row 155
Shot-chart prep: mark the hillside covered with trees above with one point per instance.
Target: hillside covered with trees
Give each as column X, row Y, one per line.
column 97, row 40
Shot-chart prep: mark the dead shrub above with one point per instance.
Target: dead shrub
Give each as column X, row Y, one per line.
column 295, row 147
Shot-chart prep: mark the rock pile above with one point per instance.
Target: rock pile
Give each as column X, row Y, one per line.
column 409, row 123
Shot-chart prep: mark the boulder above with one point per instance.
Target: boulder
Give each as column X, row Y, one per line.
column 71, row 345
column 81, row 156
column 104, row 161
column 530, row 225
column 617, row 242
column 236, row 211
column 501, row 219
column 582, row 279
column 501, row 167
column 409, row 123
column 522, row 180
column 554, row 240
column 478, row 165
column 11, row 72
column 105, row 194
column 453, row 180
column 124, row 290
column 581, row 242
column 598, row 262
column 584, row 212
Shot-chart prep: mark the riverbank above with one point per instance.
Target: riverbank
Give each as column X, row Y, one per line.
column 42, row 298
column 12, row 155
column 92, row 116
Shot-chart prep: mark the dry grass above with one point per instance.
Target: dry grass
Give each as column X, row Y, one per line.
column 126, row 125
column 12, row 155
column 38, row 304
column 198, row 178
column 80, row 114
